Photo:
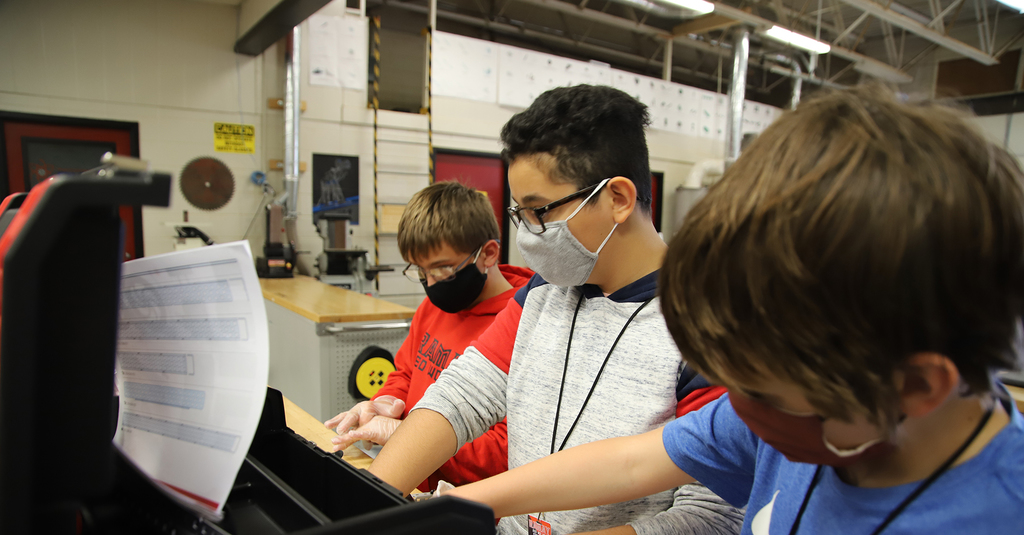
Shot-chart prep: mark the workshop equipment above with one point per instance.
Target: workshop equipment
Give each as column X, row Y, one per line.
column 339, row 264
column 278, row 260
column 53, row 486
column 207, row 183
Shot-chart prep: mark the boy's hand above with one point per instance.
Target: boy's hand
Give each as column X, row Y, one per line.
column 363, row 412
column 378, row 430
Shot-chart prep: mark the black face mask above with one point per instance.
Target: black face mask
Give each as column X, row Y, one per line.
column 457, row 293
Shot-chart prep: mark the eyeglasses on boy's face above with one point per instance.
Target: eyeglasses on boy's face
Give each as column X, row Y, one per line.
column 533, row 218
column 440, row 273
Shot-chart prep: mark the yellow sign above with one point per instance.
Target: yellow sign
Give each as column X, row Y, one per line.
column 238, row 138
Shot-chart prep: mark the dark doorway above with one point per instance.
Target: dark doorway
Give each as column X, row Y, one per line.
column 35, row 147
column 657, row 187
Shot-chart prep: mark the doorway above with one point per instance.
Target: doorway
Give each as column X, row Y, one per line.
column 35, row 147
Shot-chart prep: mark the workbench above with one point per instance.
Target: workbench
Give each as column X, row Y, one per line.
column 314, row 431
column 317, row 332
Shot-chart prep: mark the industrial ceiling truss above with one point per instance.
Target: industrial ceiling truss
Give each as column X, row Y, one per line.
column 883, row 39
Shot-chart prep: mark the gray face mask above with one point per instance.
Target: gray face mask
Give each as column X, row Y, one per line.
column 556, row 255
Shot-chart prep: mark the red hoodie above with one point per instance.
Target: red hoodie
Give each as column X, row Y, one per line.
column 435, row 339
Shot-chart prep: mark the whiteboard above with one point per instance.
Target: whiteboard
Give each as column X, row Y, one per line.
column 464, row 67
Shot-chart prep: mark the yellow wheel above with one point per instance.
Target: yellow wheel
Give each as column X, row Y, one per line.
column 369, row 371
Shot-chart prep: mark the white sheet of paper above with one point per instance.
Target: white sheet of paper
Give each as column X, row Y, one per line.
column 323, row 51
column 191, row 369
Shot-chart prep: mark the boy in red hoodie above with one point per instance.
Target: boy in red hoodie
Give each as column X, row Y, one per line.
column 449, row 236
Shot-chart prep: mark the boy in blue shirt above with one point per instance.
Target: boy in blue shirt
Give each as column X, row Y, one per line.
column 855, row 281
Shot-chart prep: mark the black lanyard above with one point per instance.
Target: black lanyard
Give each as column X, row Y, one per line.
column 913, row 495
column 565, row 368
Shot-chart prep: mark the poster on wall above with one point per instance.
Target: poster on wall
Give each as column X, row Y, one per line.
column 336, row 187
column 337, row 51
column 464, row 67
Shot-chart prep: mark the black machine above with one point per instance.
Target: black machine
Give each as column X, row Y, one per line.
column 278, row 260
column 59, row 472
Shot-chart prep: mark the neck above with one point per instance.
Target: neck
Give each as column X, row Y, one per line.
column 924, row 444
column 495, row 285
column 634, row 250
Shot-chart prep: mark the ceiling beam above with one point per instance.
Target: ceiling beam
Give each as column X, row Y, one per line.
column 590, row 49
column 704, row 24
column 862, row 63
column 599, row 16
column 276, row 21
column 915, row 27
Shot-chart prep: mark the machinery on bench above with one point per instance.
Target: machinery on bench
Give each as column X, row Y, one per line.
column 59, row 471
column 341, row 265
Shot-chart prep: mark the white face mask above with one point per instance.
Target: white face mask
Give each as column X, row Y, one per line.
column 556, row 255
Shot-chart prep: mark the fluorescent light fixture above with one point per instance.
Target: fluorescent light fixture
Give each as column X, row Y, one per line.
column 1015, row 4
column 795, row 39
column 699, row 6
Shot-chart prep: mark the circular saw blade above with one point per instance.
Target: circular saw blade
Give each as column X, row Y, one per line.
column 207, row 183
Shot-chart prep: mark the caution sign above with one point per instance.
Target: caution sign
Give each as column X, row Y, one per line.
column 237, row 138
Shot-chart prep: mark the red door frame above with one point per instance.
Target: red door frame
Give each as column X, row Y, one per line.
column 657, row 197
column 124, row 135
column 503, row 198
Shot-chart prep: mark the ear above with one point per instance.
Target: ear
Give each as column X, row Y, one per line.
column 925, row 382
column 490, row 254
column 622, row 195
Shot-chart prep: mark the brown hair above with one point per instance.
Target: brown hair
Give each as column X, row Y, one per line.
column 446, row 213
column 855, row 231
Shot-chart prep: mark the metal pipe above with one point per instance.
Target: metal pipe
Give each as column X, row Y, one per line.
column 798, row 75
column 291, row 125
column 789, row 73
column 666, row 65
column 737, row 92
column 798, row 83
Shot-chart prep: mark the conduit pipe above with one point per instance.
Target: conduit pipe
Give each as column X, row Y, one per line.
column 293, row 65
column 737, row 93
column 797, row 86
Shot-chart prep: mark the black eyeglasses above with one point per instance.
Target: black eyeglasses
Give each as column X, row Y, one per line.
column 533, row 218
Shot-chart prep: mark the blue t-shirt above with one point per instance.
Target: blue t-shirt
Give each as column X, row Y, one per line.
column 983, row 495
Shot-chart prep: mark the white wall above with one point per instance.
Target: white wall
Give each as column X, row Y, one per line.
column 994, row 127
column 169, row 65
column 166, row 64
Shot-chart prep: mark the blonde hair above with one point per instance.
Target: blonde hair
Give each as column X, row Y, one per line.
column 446, row 213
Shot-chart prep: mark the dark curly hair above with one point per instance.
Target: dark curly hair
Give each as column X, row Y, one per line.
column 592, row 132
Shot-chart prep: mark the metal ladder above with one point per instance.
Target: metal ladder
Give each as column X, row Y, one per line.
column 386, row 211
